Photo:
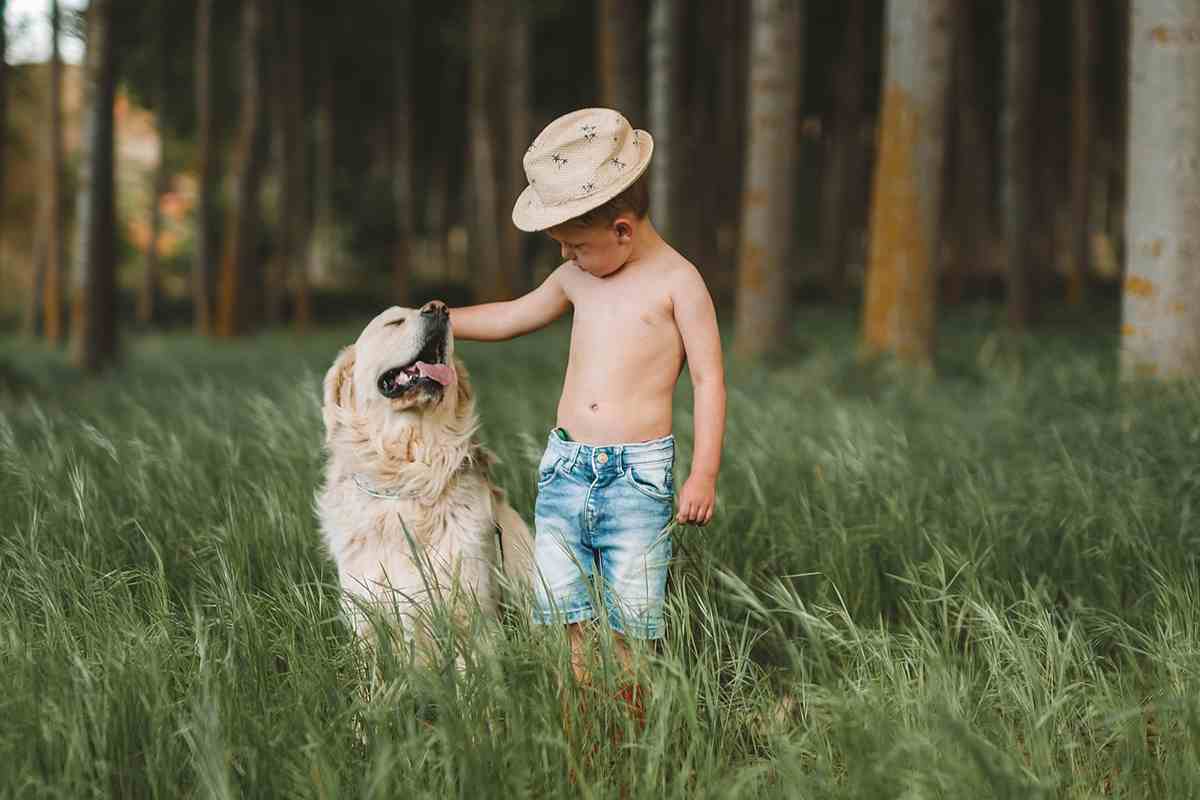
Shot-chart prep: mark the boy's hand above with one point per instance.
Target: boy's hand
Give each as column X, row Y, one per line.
column 697, row 499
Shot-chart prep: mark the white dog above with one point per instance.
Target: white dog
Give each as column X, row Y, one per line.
column 408, row 509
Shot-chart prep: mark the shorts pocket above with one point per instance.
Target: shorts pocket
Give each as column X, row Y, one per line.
column 547, row 469
column 652, row 480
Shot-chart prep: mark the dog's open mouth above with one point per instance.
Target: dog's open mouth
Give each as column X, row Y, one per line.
column 428, row 369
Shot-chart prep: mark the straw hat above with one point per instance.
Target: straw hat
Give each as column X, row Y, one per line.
column 578, row 162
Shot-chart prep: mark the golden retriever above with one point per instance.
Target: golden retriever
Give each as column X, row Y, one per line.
column 407, row 509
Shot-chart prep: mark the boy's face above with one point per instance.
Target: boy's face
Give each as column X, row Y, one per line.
column 600, row 250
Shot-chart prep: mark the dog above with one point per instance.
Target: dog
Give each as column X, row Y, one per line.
column 407, row 508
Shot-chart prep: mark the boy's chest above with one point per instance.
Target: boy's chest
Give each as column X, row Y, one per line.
column 638, row 306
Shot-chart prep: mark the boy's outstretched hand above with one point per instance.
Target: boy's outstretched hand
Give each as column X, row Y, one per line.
column 697, row 499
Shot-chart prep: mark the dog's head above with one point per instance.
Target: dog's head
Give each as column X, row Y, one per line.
column 402, row 364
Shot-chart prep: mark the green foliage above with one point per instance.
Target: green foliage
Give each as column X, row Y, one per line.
column 982, row 584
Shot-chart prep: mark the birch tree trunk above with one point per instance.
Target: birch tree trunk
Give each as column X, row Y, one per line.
column 901, row 291
column 238, row 257
column 618, row 62
column 663, row 106
column 1017, row 132
column 768, row 193
column 841, row 168
column 52, row 287
column 1161, row 312
column 202, row 268
column 1083, row 24
column 484, row 234
column 94, row 331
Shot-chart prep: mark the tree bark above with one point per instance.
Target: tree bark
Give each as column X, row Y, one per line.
column 202, row 267
column 901, row 292
column 52, row 314
column 241, row 236
column 664, row 105
column 294, row 228
column 842, row 168
column 94, row 331
column 1083, row 24
column 484, row 235
column 1018, row 125
column 1161, row 309
column 768, row 193
column 618, row 49
column 402, row 155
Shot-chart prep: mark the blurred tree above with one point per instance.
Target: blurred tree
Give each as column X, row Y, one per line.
column 238, row 259
column 843, row 165
column 151, row 287
column 901, row 291
column 3, row 98
column 970, row 194
column 763, row 302
column 288, row 127
column 94, row 328
column 322, row 241
column 202, row 262
column 491, row 283
column 1083, row 19
column 519, row 130
column 403, row 121
column 1018, row 126
column 619, row 31
column 664, row 106
column 1161, row 329
column 53, row 234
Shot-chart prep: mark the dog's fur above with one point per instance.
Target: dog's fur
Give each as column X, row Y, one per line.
column 434, row 531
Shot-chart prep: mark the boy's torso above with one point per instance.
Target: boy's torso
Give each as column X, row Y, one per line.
column 626, row 352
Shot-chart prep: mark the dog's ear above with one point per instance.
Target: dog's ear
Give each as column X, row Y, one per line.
column 339, row 389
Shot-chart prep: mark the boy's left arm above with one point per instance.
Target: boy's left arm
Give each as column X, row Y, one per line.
column 696, row 319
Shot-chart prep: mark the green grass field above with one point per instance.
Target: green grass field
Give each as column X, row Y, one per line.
column 981, row 585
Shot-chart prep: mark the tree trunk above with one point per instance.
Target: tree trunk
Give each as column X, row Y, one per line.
column 438, row 196
column 52, row 315
column 147, row 304
column 664, row 105
column 1161, row 330
column 202, row 268
column 1018, row 126
column 730, row 141
column 322, row 245
column 403, row 202
column 618, row 50
column 841, row 169
column 1083, row 24
column 238, row 258
column 520, row 134
column 768, row 195
column 3, row 100
column 972, row 188
column 901, row 291
column 294, row 227
column 94, row 330
column 484, row 236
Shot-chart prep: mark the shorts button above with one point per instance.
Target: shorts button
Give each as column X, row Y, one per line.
column 602, row 458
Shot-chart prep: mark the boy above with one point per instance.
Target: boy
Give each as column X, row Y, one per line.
column 640, row 309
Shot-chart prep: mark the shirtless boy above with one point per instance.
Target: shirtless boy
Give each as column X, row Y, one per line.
column 605, row 486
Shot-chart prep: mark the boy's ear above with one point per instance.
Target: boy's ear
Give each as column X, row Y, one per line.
column 623, row 228
column 339, row 389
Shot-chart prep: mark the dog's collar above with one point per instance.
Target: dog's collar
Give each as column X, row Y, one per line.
column 366, row 488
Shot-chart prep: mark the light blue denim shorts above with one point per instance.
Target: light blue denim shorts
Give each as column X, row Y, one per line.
column 602, row 519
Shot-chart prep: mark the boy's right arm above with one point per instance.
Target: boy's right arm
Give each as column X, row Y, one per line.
column 494, row 322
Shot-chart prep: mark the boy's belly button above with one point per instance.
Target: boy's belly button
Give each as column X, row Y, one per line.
column 594, row 406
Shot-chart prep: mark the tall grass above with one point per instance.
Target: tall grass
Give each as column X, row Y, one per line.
column 981, row 584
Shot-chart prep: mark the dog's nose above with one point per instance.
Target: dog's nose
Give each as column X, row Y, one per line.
column 435, row 308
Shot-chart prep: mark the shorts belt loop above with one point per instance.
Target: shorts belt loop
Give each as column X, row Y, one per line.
column 576, row 449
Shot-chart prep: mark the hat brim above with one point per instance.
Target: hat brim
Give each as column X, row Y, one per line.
column 529, row 214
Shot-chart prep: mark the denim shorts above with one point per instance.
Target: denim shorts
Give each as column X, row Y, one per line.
column 603, row 512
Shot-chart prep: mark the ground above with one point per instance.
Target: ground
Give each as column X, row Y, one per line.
column 979, row 584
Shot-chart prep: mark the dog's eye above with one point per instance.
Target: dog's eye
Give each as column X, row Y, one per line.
column 399, row 321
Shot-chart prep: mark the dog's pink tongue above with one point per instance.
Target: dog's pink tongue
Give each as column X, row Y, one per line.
column 442, row 373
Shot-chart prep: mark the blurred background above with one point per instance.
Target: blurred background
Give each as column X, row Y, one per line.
column 231, row 165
